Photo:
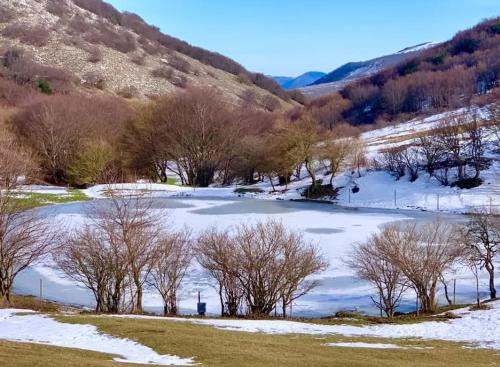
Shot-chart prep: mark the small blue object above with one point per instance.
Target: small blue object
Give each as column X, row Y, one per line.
column 202, row 308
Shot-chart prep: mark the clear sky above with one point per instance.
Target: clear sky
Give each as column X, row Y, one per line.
column 289, row 37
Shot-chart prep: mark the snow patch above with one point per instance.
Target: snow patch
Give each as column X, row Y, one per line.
column 40, row 329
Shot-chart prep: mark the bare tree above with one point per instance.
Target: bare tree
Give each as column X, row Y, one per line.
column 430, row 152
column 25, row 238
column 335, row 152
column 264, row 259
column 422, row 254
column 482, row 236
column 472, row 259
column 174, row 255
column 358, row 157
column 494, row 122
column 262, row 264
column 130, row 224
column 91, row 259
column 369, row 262
column 302, row 261
column 215, row 253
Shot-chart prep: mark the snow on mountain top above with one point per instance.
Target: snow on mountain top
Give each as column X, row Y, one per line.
column 420, row 47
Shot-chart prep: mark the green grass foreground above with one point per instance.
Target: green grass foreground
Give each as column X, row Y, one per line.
column 31, row 200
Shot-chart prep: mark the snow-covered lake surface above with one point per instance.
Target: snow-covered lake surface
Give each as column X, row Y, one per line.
column 40, row 329
column 334, row 229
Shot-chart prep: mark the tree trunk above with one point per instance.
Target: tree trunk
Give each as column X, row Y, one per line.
column 477, row 291
column 221, row 298
column 491, row 271
column 446, row 294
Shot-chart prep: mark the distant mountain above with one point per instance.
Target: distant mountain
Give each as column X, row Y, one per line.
column 301, row 81
column 352, row 71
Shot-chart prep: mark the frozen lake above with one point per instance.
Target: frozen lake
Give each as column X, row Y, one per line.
column 334, row 229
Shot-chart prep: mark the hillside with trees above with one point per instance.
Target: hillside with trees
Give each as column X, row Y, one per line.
column 453, row 74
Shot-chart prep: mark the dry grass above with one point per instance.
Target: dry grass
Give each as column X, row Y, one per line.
column 213, row 347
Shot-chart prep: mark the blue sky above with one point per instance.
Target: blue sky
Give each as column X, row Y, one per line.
column 288, row 37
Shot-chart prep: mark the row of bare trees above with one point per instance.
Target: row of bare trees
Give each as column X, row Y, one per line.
column 125, row 249
column 419, row 257
column 458, row 143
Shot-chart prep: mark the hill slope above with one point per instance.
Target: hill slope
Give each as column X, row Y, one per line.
column 96, row 46
column 353, row 71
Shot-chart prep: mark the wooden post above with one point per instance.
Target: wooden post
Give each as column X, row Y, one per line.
column 454, row 289
column 380, row 303
column 395, row 201
column 417, row 305
column 41, row 294
column 437, row 202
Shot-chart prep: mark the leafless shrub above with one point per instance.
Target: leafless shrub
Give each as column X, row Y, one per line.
column 149, row 47
column 297, row 96
column 128, row 92
column 6, row 14
column 25, row 33
column 14, row 94
column 23, row 70
column 335, row 153
column 244, row 78
column 78, row 26
column 249, row 96
column 494, row 120
column 56, row 7
column 270, row 103
column 264, row 263
column 174, row 255
column 430, row 153
column 101, row 9
column 94, row 80
column 138, row 59
column 214, row 252
column 95, row 55
column 481, row 236
column 25, row 238
column 179, row 81
column 11, row 56
column 370, row 264
column 91, row 259
column 122, row 41
column 423, row 254
column 163, row 72
column 55, row 128
column 178, row 63
column 392, row 161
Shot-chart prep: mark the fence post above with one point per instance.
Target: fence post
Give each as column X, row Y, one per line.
column 395, row 201
column 437, row 202
column 41, row 294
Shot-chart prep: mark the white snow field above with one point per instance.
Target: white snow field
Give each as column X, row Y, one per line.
column 479, row 329
column 40, row 329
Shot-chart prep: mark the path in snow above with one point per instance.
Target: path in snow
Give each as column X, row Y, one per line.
column 41, row 329
column 479, row 328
